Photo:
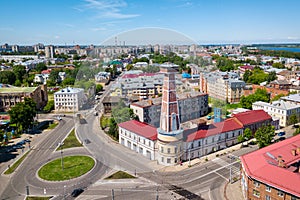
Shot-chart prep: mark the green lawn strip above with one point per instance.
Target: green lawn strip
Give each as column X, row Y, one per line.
column 120, row 175
column 74, row 166
column 38, row 198
column 70, row 141
column 16, row 164
column 52, row 126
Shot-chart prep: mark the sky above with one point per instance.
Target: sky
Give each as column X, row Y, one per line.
column 85, row 22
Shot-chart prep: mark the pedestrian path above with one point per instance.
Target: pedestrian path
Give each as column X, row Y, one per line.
column 222, row 162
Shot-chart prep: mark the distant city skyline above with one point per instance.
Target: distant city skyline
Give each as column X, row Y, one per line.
column 95, row 22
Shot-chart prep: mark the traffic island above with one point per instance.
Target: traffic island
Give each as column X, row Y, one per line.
column 119, row 175
column 66, row 168
column 37, row 198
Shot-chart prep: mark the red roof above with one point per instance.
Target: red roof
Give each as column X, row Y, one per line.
column 262, row 165
column 140, row 128
column 252, row 116
column 137, row 75
column 46, row 71
column 214, row 129
column 247, row 67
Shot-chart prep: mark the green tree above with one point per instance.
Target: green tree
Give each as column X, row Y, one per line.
column 99, row 88
column 7, row 77
column 129, row 67
column 40, row 67
column 259, row 95
column 264, row 135
column 246, row 75
column 68, row 81
column 278, row 65
column 49, row 107
column 53, row 76
column 22, row 114
column 113, row 128
column 19, row 71
column 247, row 135
column 293, row 119
column 271, row 76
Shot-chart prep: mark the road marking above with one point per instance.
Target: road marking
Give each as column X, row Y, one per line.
column 213, row 171
column 222, row 176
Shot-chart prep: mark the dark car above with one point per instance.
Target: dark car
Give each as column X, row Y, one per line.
column 282, row 133
column 77, row 192
column 27, row 140
column 21, row 143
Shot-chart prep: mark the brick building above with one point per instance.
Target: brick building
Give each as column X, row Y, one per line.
column 272, row 172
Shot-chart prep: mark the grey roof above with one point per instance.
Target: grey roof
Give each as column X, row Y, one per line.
column 292, row 97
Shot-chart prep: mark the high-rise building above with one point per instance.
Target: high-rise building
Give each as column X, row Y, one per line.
column 170, row 133
column 49, row 51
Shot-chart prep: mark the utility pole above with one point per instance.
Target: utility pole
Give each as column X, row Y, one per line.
column 157, row 193
column 61, row 153
column 113, row 194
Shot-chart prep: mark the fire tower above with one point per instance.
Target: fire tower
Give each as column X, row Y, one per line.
column 169, row 134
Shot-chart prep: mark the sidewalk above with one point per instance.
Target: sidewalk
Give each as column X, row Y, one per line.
column 233, row 191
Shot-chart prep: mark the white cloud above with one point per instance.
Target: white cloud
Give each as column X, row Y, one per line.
column 57, row 37
column 292, row 38
column 99, row 29
column 111, row 9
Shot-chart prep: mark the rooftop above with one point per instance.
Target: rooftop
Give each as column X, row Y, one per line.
column 252, row 116
column 215, row 129
column 140, row 128
column 292, row 97
column 263, row 165
column 284, row 105
column 17, row 89
column 69, row 90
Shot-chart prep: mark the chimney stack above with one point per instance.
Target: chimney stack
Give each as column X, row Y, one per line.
column 298, row 150
column 294, row 152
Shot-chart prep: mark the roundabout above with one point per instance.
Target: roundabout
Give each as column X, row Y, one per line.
column 66, row 168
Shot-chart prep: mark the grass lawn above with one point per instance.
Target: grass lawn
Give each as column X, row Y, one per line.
column 53, row 125
column 16, row 164
column 50, row 97
column 38, row 198
column 70, row 141
column 74, row 166
column 120, row 175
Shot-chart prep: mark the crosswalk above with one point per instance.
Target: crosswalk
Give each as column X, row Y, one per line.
column 222, row 162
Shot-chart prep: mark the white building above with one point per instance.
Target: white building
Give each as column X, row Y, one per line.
column 69, row 99
column 279, row 109
column 144, row 142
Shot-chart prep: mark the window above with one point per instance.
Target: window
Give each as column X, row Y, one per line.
column 162, row 149
column 168, row 160
column 256, row 184
column 294, row 198
column 280, row 193
column 175, row 150
column 199, row 143
column 162, row 159
column 256, row 193
column 169, row 150
column 268, row 188
column 268, row 197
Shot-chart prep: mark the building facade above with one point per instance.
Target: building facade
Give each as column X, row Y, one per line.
column 191, row 106
column 10, row 96
column 69, row 99
column 279, row 109
column 222, row 86
column 272, row 172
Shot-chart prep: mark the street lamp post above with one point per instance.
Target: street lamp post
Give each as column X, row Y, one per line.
column 189, row 157
column 61, row 153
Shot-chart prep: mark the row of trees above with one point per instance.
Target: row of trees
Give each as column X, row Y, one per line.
column 258, row 76
column 259, row 95
column 264, row 135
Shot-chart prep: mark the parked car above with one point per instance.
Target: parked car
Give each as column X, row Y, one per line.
column 281, row 133
column 77, row 192
column 27, row 140
column 21, row 143
column 18, row 146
